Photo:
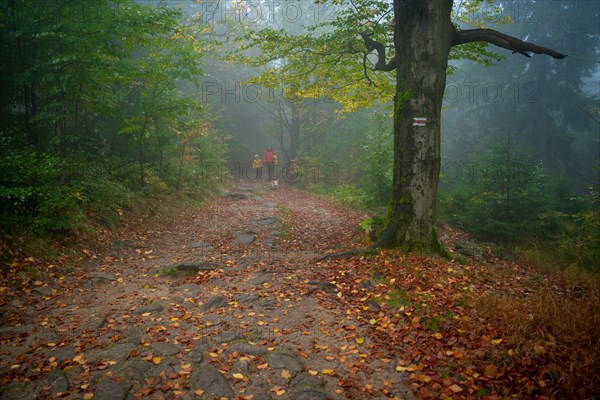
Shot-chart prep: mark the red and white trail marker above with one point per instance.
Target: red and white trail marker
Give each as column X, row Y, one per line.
column 419, row 121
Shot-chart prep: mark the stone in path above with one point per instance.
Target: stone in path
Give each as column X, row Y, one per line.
column 267, row 221
column 57, row 381
column 247, row 298
column 244, row 237
column 133, row 370
column 188, row 268
column 214, row 302
column 208, row 378
column 237, row 196
column 43, row 290
column 190, row 289
column 108, row 389
column 152, row 307
column 306, row 387
column 200, row 245
column 18, row 391
column 100, row 278
column 166, row 349
column 247, row 348
column 64, row 353
column 286, row 359
column 263, row 278
column 117, row 352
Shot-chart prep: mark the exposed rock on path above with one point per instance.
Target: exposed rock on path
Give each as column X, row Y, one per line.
column 227, row 304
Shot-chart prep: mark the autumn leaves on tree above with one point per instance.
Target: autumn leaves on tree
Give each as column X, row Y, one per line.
column 416, row 39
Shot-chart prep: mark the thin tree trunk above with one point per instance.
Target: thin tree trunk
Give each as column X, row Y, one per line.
column 423, row 37
column 181, row 166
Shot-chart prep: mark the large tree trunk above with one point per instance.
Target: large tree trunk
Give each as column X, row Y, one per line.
column 422, row 38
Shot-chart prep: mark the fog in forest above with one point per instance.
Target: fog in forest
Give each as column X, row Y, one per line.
column 260, row 199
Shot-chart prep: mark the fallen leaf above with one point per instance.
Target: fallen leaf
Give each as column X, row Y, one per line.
column 490, row 371
column 455, row 388
column 156, row 360
column 328, row 371
column 285, row 374
column 238, row 376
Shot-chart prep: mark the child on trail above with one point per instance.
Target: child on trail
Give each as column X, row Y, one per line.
column 257, row 164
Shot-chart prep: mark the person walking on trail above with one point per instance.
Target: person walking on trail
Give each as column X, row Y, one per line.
column 257, row 164
column 269, row 159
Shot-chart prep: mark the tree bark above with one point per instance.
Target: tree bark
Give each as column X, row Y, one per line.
column 422, row 38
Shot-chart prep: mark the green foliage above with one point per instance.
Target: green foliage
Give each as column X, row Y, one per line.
column 346, row 194
column 579, row 241
column 507, row 200
column 96, row 115
column 32, row 199
column 514, row 201
column 378, row 155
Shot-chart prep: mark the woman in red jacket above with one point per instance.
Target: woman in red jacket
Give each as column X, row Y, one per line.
column 269, row 161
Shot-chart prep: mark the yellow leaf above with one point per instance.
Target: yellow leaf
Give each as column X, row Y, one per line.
column 199, row 392
column 79, row 359
column 372, row 321
column 360, row 340
column 437, row 335
column 238, row 376
column 14, row 366
column 88, row 396
column 339, row 295
column 455, row 388
column 156, row 360
column 51, row 344
column 423, row 378
column 312, row 372
column 400, row 368
column 263, row 366
column 413, row 367
column 328, row 371
column 213, row 355
column 285, row 374
column 539, row 349
column 497, row 341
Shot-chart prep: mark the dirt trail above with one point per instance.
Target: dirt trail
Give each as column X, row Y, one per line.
column 230, row 304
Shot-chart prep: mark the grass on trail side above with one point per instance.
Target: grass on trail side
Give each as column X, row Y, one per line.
column 486, row 331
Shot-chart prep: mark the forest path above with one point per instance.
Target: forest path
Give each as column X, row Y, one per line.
column 228, row 304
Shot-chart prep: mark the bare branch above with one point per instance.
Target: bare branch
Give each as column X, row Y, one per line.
column 366, row 71
column 373, row 45
column 502, row 40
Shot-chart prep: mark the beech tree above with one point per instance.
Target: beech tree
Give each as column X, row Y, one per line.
column 413, row 40
column 423, row 37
